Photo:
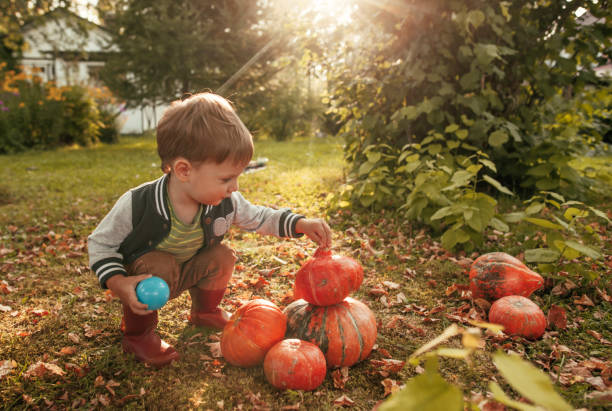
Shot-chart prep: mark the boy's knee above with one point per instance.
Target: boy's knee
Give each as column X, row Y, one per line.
column 159, row 264
column 215, row 266
column 226, row 254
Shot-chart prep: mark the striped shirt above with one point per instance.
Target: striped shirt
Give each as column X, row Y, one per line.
column 184, row 240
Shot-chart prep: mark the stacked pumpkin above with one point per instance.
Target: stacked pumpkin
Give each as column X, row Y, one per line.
column 343, row 327
column 322, row 328
column 507, row 283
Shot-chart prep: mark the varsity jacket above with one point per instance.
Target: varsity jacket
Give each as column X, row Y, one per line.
column 140, row 220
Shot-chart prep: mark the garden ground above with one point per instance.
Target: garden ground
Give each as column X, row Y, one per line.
column 59, row 332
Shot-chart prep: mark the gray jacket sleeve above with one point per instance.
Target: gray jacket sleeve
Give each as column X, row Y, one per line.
column 103, row 244
column 263, row 220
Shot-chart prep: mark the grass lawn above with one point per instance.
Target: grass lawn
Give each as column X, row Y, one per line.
column 60, row 344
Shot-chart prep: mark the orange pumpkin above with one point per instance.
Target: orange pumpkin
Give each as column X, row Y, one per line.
column 295, row 364
column 251, row 331
column 498, row 274
column 327, row 279
column 345, row 332
column 519, row 316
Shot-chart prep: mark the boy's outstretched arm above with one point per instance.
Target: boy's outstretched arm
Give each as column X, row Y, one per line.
column 316, row 229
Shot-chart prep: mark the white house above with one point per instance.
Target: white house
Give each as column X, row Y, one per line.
column 68, row 49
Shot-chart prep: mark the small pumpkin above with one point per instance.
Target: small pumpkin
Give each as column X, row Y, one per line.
column 519, row 316
column 496, row 275
column 295, row 364
column 345, row 332
column 251, row 331
column 327, row 279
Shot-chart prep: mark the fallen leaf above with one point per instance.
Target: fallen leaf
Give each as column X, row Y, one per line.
column 109, row 386
column 451, row 290
column 390, row 385
column 74, row 338
column 391, row 285
column 604, row 296
column 99, row 381
column 215, row 349
column 104, row 400
column 483, row 304
column 340, row 377
column 492, row 405
column 343, row 401
column 67, row 350
column 557, row 317
column 596, row 382
column 258, row 283
column 584, row 300
column 377, row 291
column 390, row 366
column 401, row 298
column 599, row 337
column 40, row 369
column 6, row 367
column 256, row 400
column 564, row 288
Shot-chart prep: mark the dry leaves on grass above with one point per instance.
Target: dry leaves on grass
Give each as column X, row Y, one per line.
column 343, row 401
column 41, row 369
column 557, row 317
column 6, row 367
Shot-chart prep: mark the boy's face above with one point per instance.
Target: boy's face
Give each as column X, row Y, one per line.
column 209, row 183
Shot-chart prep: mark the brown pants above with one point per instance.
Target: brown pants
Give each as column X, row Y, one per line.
column 211, row 269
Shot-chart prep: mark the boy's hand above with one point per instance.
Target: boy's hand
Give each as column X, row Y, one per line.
column 125, row 288
column 316, row 229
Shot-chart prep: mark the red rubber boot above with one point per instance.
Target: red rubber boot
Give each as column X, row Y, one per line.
column 139, row 338
column 205, row 311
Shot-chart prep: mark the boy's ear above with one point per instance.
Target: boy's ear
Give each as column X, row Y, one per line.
column 181, row 168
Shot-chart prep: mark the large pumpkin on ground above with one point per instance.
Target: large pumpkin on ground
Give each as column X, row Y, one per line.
column 345, row 332
column 519, row 316
column 496, row 275
column 327, row 279
column 251, row 331
column 295, row 364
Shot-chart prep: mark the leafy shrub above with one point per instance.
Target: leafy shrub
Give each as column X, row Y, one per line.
column 454, row 99
column 80, row 117
column 38, row 115
column 434, row 182
column 567, row 232
column 108, row 110
column 282, row 111
column 430, row 391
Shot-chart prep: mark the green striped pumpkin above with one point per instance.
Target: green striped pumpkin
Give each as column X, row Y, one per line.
column 345, row 332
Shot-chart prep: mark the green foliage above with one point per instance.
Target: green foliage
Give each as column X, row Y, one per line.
column 430, row 391
column 435, row 182
column 80, row 118
column 528, row 381
column 38, row 115
column 281, row 118
column 490, row 83
column 172, row 47
column 565, row 226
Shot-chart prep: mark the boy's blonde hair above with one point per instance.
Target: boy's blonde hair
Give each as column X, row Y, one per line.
column 203, row 127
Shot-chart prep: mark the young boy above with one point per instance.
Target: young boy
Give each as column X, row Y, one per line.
column 173, row 227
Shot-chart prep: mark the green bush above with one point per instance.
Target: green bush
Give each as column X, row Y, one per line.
column 80, row 117
column 38, row 115
column 450, row 101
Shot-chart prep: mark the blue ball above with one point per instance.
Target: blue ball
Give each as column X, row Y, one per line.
column 154, row 292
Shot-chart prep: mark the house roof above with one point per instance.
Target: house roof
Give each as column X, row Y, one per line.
column 62, row 32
